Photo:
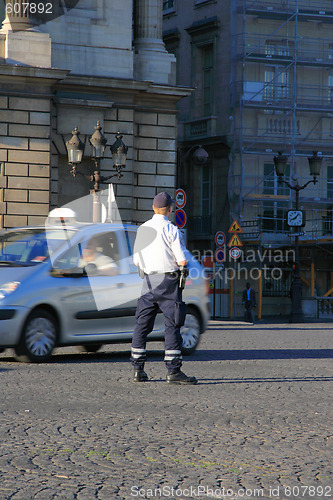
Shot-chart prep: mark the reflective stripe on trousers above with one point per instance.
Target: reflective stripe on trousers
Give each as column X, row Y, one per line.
column 171, row 355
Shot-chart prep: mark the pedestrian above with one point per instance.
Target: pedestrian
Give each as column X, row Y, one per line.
column 249, row 301
column 159, row 254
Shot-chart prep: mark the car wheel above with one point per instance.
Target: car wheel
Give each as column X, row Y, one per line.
column 38, row 337
column 89, row 347
column 190, row 332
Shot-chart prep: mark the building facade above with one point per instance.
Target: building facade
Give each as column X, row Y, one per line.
column 263, row 68
column 195, row 31
column 98, row 61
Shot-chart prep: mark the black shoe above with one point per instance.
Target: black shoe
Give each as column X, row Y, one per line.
column 180, row 378
column 140, row 376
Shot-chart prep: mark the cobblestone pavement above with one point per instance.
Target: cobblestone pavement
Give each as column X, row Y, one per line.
column 258, row 424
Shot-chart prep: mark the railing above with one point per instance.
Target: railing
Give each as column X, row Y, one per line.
column 200, row 225
column 316, row 51
column 268, row 188
column 319, row 225
column 281, row 95
column 287, row 6
column 200, row 128
column 324, row 307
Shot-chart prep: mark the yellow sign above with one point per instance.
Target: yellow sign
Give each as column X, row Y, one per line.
column 235, row 228
column 235, row 241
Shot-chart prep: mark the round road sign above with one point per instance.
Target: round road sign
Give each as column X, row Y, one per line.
column 180, row 218
column 235, row 253
column 220, row 238
column 219, row 255
column 180, row 199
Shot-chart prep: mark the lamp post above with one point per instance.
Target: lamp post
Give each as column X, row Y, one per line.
column 296, row 218
column 75, row 149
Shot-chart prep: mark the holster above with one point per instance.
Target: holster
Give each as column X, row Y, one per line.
column 180, row 313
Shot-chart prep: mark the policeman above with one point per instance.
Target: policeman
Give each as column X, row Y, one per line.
column 158, row 253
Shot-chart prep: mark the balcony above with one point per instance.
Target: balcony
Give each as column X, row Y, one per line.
column 284, row 9
column 202, row 128
column 279, row 50
column 273, row 229
column 278, row 96
column 200, row 227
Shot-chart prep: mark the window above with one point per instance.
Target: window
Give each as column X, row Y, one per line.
column 330, row 181
column 330, row 51
column 203, row 35
column 130, row 240
column 273, row 211
column 207, row 78
column 206, row 191
column 276, row 84
column 277, row 48
column 203, row 76
column 277, row 287
column 168, row 6
column 330, row 87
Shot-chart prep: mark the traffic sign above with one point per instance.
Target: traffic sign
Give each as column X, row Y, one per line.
column 235, row 241
column 207, row 261
column 219, row 255
column 184, row 233
column 180, row 218
column 180, row 199
column 219, row 238
column 235, row 227
column 235, row 253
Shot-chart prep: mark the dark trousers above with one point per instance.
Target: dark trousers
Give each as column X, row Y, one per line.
column 249, row 314
column 159, row 291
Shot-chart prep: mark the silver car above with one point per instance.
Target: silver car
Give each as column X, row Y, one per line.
column 49, row 299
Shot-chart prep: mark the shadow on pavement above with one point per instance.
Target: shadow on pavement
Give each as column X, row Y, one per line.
column 255, row 354
column 212, row 381
column 249, row 327
column 199, row 355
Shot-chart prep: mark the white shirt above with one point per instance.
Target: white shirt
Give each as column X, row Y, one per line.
column 158, row 246
column 102, row 262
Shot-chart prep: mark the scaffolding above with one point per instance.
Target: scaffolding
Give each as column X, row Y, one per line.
column 282, row 98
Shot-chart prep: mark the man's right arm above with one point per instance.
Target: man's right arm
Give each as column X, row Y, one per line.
column 179, row 249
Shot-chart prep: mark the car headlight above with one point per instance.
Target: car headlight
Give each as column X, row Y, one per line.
column 8, row 288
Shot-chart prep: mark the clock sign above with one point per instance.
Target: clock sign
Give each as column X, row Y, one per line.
column 296, row 218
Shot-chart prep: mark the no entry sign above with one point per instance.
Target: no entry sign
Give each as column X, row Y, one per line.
column 180, row 218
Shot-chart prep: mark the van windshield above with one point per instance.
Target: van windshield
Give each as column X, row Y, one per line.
column 31, row 246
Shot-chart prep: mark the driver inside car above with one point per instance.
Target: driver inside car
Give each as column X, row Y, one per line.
column 96, row 263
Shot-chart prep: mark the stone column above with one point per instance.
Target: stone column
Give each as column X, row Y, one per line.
column 21, row 42
column 151, row 61
column 18, row 16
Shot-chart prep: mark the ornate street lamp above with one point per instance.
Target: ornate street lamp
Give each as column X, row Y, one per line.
column 98, row 143
column 75, row 148
column 315, row 162
column 296, row 219
column 280, row 163
column 119, row 154
column 199, row 155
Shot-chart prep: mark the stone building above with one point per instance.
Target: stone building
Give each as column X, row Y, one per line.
column 97, row 61
column 263, row 73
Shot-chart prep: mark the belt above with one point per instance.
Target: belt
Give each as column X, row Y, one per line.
column 162, row 272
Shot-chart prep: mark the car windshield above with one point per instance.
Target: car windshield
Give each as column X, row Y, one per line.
column 28, row 247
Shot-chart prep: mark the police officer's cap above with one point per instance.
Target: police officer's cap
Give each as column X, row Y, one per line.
column 162, row 200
